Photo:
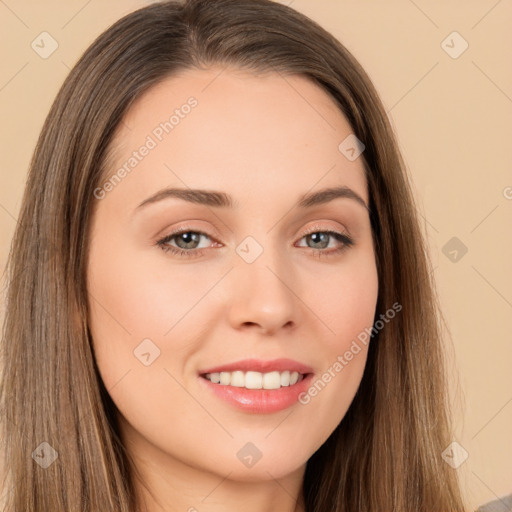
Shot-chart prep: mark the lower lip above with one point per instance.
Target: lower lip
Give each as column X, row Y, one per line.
column 260, row 401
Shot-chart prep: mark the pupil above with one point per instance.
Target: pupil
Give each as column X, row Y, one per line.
column 189, row 238
column 316, row 239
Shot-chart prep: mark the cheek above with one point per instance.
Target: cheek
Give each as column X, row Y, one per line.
column 133, row 303
column 347, row 307
column 346, row 303
column 141, row 297
column 130, row 300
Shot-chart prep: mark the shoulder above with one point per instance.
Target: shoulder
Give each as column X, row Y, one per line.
column 503, row 504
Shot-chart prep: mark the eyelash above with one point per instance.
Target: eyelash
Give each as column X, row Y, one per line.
column 346, row 241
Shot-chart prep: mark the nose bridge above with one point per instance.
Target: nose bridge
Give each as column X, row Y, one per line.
column 262, row 287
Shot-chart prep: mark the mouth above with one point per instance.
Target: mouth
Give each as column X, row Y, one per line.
column 255, row 380
column 257, row 386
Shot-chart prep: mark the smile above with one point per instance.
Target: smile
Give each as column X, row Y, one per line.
column 255, row 380
column 257, row 386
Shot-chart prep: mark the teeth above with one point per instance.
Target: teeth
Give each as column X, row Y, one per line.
column 225, row 378
column 272, row 380
column 255, row 380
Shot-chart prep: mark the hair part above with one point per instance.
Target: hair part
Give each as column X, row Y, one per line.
column 386, row 452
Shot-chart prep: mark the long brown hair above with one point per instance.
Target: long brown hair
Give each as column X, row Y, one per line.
column 385, row 455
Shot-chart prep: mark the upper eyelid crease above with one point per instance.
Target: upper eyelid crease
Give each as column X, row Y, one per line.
column 223, row 200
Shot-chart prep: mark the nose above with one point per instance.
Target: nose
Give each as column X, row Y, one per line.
column 262, row 296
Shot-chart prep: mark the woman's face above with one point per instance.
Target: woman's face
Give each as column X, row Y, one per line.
column 235, row 274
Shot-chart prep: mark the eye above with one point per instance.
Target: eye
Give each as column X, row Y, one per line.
column 186, row 240
column 321, row 240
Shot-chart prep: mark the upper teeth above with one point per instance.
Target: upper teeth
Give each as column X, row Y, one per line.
column 255, row 380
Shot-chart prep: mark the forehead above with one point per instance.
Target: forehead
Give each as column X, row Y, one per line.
column 231, row 129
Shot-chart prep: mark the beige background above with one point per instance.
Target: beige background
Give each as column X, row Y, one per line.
column 453, row 117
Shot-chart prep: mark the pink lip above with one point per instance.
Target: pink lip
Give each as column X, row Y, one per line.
column 260, row 401
column 258, row 365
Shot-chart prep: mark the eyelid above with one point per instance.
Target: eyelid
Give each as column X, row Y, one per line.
column 189, row 225
column 320, row 227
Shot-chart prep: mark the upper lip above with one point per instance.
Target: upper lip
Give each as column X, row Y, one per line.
column 262, row 366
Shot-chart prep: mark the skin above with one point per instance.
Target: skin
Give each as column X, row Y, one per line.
column 266, row 140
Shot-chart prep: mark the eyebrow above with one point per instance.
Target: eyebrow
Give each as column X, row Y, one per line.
column 223, row 200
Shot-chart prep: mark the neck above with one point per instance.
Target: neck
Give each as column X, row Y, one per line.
column 164, row 483
column 178, row 487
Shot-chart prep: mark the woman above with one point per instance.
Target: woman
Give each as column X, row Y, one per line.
column 291, row 360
